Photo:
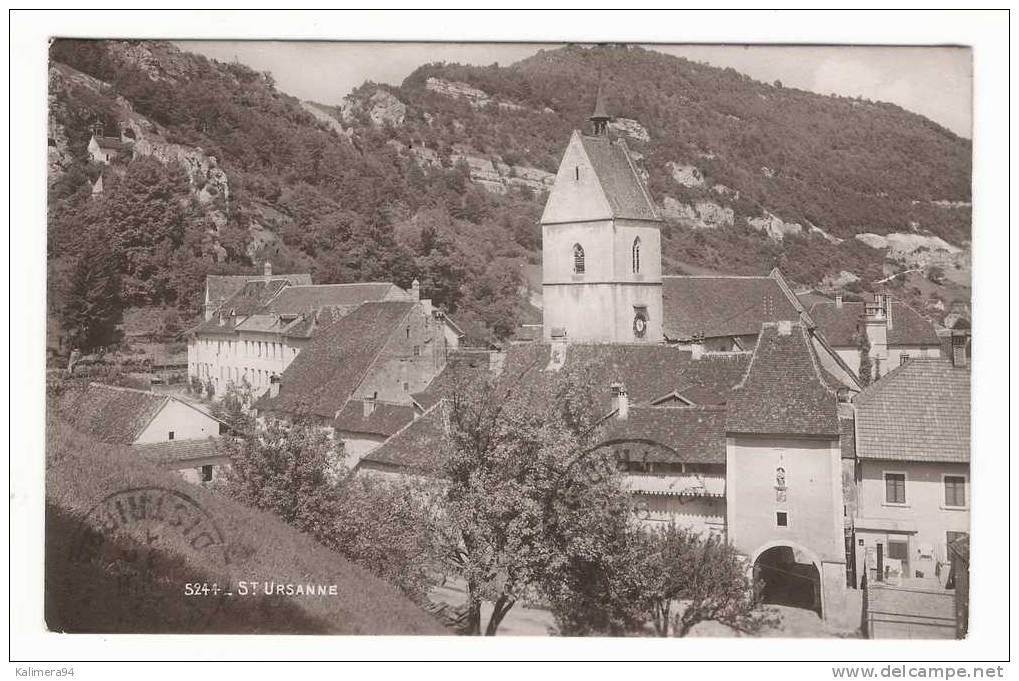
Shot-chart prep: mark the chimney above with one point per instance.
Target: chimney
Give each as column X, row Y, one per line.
column 267, row 268
column 838, row 300
column 369, row 404
column 274, row 385
column 697, row 346
column 785, row 327
column 960, row 347
column 620, row 401
column 415, row 290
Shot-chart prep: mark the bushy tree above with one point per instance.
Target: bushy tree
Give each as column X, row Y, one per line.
column 233, row 408
column 290, row 470
column 92, row 306
column 703, row 577
column 866, row 371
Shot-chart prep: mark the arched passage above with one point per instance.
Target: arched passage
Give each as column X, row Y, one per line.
column 788, row 575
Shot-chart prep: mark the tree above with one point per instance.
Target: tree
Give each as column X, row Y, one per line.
column 291, row 471
column 706, row 576
column 386, row 527
column 92, row 302
column 866, row 365
column 232, row 408
column 514, row 466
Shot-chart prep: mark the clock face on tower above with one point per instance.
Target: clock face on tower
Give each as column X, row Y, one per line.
column 640, row 323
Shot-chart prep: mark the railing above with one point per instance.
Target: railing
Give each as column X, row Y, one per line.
column 678, row 484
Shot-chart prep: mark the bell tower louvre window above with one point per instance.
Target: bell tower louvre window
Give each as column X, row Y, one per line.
column 635, row 256
column 578, row 259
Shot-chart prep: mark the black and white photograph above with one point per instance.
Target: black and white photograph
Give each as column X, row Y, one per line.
column 565, row 339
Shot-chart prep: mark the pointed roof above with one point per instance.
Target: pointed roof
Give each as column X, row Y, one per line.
column 601, row 110
column 784, row 390
column 623, row 187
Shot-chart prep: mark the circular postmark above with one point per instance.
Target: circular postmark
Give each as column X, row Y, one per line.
column 146, row 545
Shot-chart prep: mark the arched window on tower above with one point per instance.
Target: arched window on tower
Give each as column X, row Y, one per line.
column 578, row 259
column 635, row 256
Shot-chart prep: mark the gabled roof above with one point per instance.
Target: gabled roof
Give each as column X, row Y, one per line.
column 219, row 287
column 297, row 299
column 114, row 143
column 109, row 413
column 175, row 453
column 385, row 420
column 646, row 371
column 415, row 448
column 784, row 390
column 839, row 324
column 919, row 411
column 694, row 434
column 721, row 305
column 253, row 296
column 623, row 187
column 325, row 374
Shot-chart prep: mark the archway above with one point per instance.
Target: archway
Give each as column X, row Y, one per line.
column 788, row 575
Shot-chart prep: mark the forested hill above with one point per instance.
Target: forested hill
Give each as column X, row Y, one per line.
column 443, row 178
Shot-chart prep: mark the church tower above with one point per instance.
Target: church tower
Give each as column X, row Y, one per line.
column 601, row 245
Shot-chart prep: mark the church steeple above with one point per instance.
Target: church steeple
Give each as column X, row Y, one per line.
column 600, row 118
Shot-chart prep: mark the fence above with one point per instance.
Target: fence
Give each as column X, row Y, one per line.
column 908, row 612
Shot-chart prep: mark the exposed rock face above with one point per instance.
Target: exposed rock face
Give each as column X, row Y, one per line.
column 774, row 227
column 917, row 250
column 686, row 176
column 701, row 215
column 476, row 97
column 629, row 128
column 498, row 177
column 382, row 106
column 207, row 179
column 814, row 229
column 323, row 115
column 457, row 90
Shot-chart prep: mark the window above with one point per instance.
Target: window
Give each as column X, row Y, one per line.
column 635, row 256
column 903, row 358
column 782, row 519
column 169, row 436
column 895, row 488
column 578, row 259
column 406, row 386
column 955, row 491
column 417, row 350
column 576, row 173
column 206, row 473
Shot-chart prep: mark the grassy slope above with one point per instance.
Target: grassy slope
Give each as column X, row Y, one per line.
column 84, row 598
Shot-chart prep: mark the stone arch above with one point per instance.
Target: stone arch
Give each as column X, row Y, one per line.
column 785, row 581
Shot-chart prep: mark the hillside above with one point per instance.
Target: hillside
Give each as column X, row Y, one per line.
column 443, row 178
column 258, row 547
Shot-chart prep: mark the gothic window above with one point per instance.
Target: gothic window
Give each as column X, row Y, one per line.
column 636, row 255
column 578, row 259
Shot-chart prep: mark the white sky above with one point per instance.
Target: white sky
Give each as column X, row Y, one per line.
column 933, row 81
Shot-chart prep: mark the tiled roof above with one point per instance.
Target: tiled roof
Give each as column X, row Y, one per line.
column 646, row 371
column 810, row 298
column 461, row 367
column 110, row 414
column 839, row 325
column 297, row 299
column 417, row 447
column 219, row 287
column 178, row 451
column 783, row 391
column 694, row 434
column 721, row 306
column 625, row 191
column 113, row 143
column 385, row 419
column 323, row 376
column 919, row 411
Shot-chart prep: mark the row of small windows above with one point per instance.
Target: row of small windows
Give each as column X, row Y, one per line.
column 954, row 489
column 578, row 257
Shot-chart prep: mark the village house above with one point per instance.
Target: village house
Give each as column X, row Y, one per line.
column 171, row 432
column 895, row 331
column 105, row 150
column 255, row 332
column 912, row 458
column 358, row 372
